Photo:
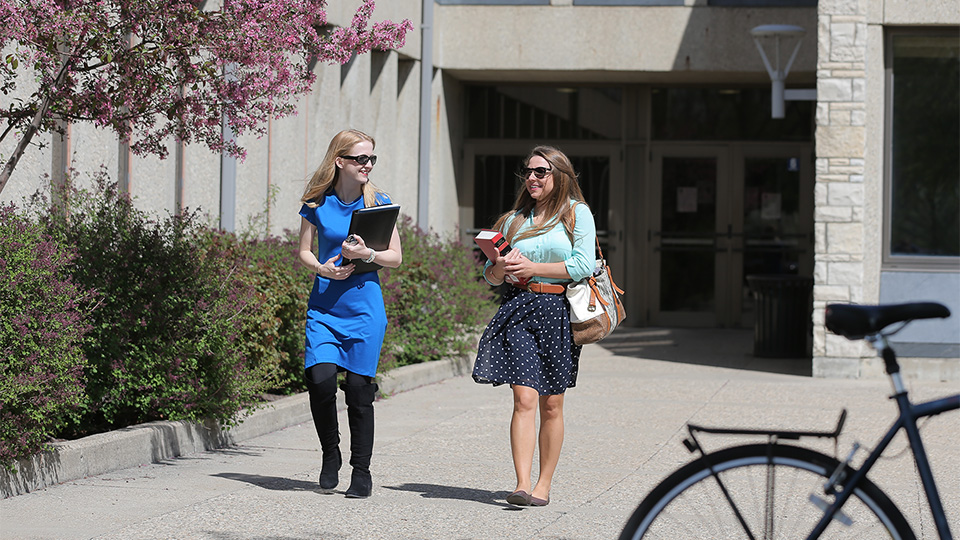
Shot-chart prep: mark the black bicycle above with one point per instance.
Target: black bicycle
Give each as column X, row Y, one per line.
column 774, row 490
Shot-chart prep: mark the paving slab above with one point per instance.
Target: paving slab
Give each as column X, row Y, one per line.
column 442, row 462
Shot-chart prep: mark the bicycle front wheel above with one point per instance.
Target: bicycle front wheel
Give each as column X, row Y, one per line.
column 764, row 492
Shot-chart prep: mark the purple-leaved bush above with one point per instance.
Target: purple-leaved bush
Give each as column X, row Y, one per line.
column 168, row 335
column 182, row 321
column 41, row 334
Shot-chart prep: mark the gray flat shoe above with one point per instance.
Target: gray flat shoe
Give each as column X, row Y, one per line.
column 519, row 498
column 537, row 501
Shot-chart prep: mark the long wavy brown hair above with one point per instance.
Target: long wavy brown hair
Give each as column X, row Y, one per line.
column 325, row 177
column 557, row 205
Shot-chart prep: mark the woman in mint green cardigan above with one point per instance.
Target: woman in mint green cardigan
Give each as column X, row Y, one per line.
column 528, row 344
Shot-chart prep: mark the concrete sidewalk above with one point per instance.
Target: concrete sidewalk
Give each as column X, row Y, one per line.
column 442, row 462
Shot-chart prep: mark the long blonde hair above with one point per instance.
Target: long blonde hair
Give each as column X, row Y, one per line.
column 325, row 177
column 558, row 207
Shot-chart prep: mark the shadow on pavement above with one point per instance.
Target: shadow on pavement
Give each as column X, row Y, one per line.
column 231, row 535
column 274, row 483
column 718, row 347
column 434, row 491
column 252, row 451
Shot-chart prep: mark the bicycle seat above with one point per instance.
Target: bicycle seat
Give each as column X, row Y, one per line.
column 854, row 321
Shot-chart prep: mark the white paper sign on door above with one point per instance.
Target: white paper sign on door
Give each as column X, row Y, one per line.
column 687, row 200
column 770, row 206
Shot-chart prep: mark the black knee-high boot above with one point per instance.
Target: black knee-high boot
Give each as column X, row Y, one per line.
column 323, row 407
column 359, row 398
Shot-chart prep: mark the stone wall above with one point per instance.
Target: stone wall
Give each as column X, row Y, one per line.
column 839, row 269
column 850, row 170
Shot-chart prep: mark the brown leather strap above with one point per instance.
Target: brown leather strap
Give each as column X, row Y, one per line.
column 595, row 237
column 537, row 287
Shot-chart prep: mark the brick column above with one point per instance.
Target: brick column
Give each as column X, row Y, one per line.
column 839, row 189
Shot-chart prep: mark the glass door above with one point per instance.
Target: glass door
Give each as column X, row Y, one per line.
column 689, row 260
column 722, row 213
column 774, row 235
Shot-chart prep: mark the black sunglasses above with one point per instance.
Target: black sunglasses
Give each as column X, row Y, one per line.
column 539, row 172
column 362, row 159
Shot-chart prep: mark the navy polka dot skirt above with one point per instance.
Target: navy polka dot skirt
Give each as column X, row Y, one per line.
column 529, row 343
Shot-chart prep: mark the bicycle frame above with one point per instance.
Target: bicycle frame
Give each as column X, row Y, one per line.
column 909, row 413
column 907, row 419
column 843, row 480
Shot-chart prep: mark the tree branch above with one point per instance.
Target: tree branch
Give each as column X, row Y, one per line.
column 14, row 118
column 33, row 127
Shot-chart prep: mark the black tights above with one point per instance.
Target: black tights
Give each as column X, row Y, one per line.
column 320, row 373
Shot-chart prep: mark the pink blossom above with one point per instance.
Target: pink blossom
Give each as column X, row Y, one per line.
column 152, row 69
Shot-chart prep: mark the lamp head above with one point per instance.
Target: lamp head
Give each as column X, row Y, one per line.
column 778, row 30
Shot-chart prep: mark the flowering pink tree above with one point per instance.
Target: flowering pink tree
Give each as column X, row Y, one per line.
column 154, row 69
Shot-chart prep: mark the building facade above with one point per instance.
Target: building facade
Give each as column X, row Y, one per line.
column 887, row 177
column 665, row 108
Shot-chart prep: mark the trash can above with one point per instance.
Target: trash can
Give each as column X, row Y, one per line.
column 782, row 326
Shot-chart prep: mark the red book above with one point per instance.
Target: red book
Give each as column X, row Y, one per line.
column 493, row 244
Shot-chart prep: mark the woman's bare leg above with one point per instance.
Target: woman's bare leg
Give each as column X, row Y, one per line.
column 523, row 433
column 551, row 440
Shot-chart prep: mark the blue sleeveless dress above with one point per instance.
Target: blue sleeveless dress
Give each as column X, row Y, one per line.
column 346, row 320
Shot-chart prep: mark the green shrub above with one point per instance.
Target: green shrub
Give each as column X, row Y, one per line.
column 276, row 333
column 41, row 333
column 166, row 339
column 182, row 321
column 436, row 302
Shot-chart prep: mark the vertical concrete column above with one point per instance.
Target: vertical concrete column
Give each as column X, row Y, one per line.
column 839, row 189
column 61, row 155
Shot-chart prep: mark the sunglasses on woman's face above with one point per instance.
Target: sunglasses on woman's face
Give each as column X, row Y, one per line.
column 539, row 172
column 362, row 159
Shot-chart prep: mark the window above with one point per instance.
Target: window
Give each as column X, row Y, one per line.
column 543, row 112
column 726, row 114
column 628, row 2
column 494, row 2
column 762, row 3
column 923, row 135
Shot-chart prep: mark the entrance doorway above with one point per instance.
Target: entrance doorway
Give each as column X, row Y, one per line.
column 692, row 188
column 719, row 213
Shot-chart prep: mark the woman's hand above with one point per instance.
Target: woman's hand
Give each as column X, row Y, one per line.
column 330, row 270
column 355, row 250
column 517, row 265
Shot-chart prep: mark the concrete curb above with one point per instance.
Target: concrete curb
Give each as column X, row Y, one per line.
column 157, row 441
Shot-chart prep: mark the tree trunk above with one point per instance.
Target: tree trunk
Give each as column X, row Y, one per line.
column 34, row 126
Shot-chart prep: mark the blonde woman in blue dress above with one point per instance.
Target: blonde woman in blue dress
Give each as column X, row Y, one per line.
column 528, row 344
column 346, row 318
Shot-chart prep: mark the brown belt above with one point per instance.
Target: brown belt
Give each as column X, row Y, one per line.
column 538, row 287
